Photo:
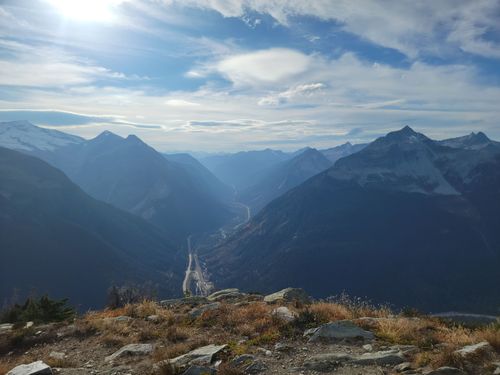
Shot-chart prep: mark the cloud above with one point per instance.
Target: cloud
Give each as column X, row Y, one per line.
column 264, row 66
column 40, row 66
column 52, row 117
column 411, row 27
column 285, row 96
column 180, row 103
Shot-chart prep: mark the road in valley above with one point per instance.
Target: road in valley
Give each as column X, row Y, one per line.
column 194, row 282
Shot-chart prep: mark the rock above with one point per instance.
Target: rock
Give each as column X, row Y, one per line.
column 38, row 368
column 469, row 350
column 446, row 371
column 29, row 325
column 388, row 357
column 497, row 371
column 284, row 313
column 309, row 332
column 249, row 364
column 153, row 318
column 222, row 292
column 57, row 355
column 131, row 350
column 199, row 370
column 282, row 347
column 202, row 356
column 405, row 349
column 326, row 362
column 198, row 311
column 241, row 360
column 405, row 366
column 226, row 294
column 6, row 327
column 191, row 301
column 368, row 347
column 344, row 330
column 288, row 295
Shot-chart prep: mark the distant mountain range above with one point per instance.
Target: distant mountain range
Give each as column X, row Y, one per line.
column 179, row 197
column 406, row 220
column 56, row 239
column 279, row 178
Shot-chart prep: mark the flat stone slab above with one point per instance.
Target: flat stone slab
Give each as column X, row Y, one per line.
column 344, row 330
column 202, row 356
column 6, row 327
column 383, row 358
column 35, row 368
column 224, row 292
column 474, row 349
column 288, row 295
column 131, row 350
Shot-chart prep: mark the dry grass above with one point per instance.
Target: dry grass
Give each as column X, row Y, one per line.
column 407, row 331
column 490, row 334
column 225, row 369
column 326, row 312
column 170, row 351
column 59, row 363
column 4, row 368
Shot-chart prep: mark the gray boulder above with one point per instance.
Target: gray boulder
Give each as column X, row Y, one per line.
column 202, row 356
column 198, row 311
column 326, row 362
column 470, row 350
column 131, row 350
column 383, row 358
column 35, row 368
column 288, row 295
column 6, row 327
column 344, row 330
column 284, row 313
column 221, row 293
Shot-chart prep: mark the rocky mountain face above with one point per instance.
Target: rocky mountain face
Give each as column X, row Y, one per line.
column 130, row 175
column 282, row 177
column 56, row 239
column 406, row 220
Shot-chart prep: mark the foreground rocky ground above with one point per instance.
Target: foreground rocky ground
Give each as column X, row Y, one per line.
column 231, row 333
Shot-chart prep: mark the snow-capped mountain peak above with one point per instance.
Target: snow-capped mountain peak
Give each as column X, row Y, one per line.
column 24, row 136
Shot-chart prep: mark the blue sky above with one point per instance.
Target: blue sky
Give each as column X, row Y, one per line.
column 225, row 75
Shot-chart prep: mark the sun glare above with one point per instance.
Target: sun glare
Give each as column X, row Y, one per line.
column 86, row 10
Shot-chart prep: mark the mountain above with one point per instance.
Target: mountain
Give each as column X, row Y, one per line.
column 335, row 153
column 472, row 141
column 130, row 175
column 56, row 239
column 405, row 220
column 239, row 169
column 133, row 176
column 280, row 178
column 24, row 136
column 202, row 176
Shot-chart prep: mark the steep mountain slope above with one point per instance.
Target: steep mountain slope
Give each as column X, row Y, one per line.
column 201, row 176
column 132, row 176
column 277, row 180
column 238, row 170
column 405, row 221
column 335, row 153
column 24, row 136
column 56, row 239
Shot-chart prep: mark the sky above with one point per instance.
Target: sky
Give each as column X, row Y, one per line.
column 228, row 75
